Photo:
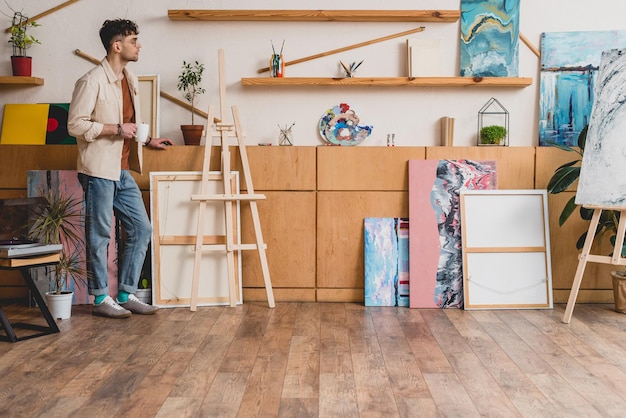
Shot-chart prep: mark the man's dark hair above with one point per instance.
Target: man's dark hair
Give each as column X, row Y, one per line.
column 118, row 27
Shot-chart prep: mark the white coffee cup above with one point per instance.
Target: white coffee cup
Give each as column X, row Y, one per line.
column 142, row 132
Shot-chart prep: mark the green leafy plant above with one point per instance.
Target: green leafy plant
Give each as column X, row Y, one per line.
column 189, row 83
column 563, row 177
column 492, row 134
column 20, row 40
column 60, row 222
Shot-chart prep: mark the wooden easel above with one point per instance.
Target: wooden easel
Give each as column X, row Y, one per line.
column 225, row 132
column 585, row 256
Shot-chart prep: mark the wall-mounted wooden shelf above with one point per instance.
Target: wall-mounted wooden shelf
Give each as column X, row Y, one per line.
column 27, row 81
column 318, row 15
column 391, row 81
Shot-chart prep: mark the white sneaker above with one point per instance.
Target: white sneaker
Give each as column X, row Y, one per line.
column 138, row 307
column 110, row 309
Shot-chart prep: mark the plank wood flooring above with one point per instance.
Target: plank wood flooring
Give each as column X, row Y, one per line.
column 320, row 360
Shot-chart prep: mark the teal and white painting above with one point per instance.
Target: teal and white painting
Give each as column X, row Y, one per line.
column 489, row 38
column 603, row 172
column 569, row 67
column 386, row 256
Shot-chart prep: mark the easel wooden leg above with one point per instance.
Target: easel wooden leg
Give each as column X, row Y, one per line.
column 582, row 263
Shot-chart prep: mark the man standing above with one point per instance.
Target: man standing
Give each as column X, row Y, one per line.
column 103, row 116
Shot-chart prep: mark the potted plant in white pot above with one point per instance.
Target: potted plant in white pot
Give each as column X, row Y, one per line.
column 20, row 41
column 60, row 222
column 189, row 83
column 563, row 177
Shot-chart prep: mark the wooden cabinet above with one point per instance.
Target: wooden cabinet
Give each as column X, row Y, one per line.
column 317, row 197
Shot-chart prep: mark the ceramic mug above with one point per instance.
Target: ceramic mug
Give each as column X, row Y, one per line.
column 141, row 135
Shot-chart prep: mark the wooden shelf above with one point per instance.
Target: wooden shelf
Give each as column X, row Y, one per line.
column 318, row 15
column 391, row 81
column 29, row 81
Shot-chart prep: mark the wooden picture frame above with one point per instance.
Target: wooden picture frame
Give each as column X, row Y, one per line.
column 175, row 222
column 149, row 102
column 506, row 249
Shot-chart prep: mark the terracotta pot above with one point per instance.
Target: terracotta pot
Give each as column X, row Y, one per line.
column 192, row 134
column 619, row 290
column 22, row 66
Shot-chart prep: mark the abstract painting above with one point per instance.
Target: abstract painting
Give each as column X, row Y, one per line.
column 36, row 124
column 386, row 254
column 435, row 262
column 603, row 172
column 489, row 38
column 569, row 66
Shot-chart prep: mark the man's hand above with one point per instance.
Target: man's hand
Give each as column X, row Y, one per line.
column 160, row 143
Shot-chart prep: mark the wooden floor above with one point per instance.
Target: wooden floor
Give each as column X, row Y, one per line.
column 320, row 360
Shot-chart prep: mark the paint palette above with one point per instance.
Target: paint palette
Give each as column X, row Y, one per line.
column 340, row 126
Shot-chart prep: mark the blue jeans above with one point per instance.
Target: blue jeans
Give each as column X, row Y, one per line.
column 102, row 198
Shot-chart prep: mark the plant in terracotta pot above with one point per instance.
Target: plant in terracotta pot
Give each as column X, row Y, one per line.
column 20, row 41
column 563, row 177
column 60, row 222
column 189, row 83
column 492, row 135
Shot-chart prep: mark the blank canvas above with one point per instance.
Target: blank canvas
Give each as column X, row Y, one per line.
column 175, row 225
column 506, row 249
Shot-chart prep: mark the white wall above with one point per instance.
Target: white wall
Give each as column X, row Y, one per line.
column 411, row 113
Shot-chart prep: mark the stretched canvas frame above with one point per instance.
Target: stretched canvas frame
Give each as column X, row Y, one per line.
column 174, row 221
column 506, row 249
column 149, row 102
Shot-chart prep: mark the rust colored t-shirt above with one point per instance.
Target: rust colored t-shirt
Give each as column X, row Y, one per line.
column 128, row 112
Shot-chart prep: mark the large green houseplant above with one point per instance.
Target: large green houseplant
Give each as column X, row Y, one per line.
column 20, row 41
column 189, row 81
column 564, row 177
column 61, row 222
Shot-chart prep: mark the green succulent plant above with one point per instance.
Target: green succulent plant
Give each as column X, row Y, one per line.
column 492, row 134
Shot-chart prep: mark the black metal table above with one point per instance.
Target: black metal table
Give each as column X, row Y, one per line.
column 24, row 265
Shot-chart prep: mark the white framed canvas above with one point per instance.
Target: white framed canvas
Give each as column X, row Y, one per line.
column 175, row 222
column 506, row 249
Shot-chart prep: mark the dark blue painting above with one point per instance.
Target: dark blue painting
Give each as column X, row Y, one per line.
column 569, row 66
column 489, row 38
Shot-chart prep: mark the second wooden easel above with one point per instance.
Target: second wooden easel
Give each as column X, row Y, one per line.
column 224, row 132
column 586, row 256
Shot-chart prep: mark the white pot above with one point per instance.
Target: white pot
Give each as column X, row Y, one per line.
column 60, row 306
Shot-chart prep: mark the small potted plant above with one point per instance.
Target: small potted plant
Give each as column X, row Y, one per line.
column 492, row 135
column 189, row 83
column 20, row 40
column 60, row 222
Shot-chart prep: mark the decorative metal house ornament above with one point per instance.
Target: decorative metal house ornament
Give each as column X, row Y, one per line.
column 493, row 124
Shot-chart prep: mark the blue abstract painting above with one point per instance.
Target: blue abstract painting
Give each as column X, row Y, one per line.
column 603, row 172
column 569, row 66
column 386, row 256
column 489, row 38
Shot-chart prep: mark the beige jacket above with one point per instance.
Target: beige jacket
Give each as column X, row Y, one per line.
column 97, row 100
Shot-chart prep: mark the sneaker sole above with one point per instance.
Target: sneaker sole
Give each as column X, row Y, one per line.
column 120, row 316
